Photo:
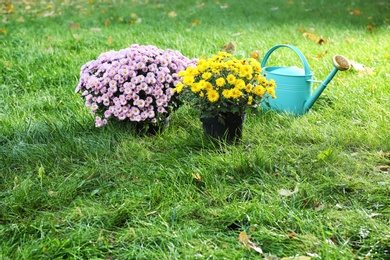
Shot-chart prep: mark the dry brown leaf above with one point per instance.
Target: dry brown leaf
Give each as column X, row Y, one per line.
column 229, row 47
column 314, row 38
column 3, row 31
column 74, row 26
column 107, row 22
column 244, row 239
column 195, row 22
column 255, row 54
column 197, row 176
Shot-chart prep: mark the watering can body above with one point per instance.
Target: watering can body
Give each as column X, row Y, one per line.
column 293, row 85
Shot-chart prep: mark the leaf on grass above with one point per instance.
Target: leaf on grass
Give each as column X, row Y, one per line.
column 172, row 14
column 255, row 54
column 197, row 176
column 244, row 239
column 371, row 28
column 95, row 29
column 361, row 68
column 74, row 26
column 195, row 22
column 384, row 154
column 229, row 47
column 314, row 38
column 3, row 31
column 109, row 40
column 355, row 12
column 383, row 168
column 299, row 257
column 107, row 22
column 287, row 193
column 224, row 6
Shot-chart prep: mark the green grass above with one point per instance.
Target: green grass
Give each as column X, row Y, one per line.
column 69, row 190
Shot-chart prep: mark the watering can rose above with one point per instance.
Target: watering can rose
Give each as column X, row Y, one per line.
column 224, row 84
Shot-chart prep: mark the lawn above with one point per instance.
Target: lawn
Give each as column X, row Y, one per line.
column 315, row 186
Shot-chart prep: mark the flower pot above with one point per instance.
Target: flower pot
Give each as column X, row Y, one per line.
column 227, row 128
column 150, row 129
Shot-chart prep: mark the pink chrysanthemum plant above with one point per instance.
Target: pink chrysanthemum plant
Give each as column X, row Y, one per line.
column 224, row 84
column 134, row 84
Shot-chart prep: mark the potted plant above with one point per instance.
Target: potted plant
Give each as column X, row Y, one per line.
column 133, row 84
column 223, row 88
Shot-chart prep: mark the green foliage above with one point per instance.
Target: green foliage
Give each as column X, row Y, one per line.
column 69, row 190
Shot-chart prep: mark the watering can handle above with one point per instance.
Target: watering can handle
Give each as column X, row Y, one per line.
column 303, row 59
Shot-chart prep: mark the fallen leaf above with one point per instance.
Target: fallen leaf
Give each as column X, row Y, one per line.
column 361, row 68
column 314, row 38
column 371, row 28
column 134, row 16
column 286, row 193
column 197, row 176
column 355, row 12
column 95, row 29
column 244, row 239
column 255, row 54
column 3, row 31
column 384, row 154
column 383, row 168
column 172, row 14
column 74, row 26
column 52, row 193
column 224, row 6
column 374, row 215
column 107, row 22
column 229, row 47
column 109, row 40
column 195, row 22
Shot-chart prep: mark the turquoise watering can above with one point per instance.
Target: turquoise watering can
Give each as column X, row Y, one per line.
column 293, row 85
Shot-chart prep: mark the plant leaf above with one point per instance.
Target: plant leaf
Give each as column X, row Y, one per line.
column 286, row 193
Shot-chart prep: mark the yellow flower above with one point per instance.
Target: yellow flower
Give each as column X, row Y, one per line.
column 231, row 79
column 208, row 86
column 227, row 93
column 271, row 92
column 179, row 87
column 236, row 93
column 259, row 91
column 240, row 84
column 263, row 82
column 246, row 69
column 213, row 95
column 206, row 75
column 250, row 100
column 272, row 83
column 220, row 82
column 249, row 88
column 195, row 88
column 188, row 80
column 202, row 84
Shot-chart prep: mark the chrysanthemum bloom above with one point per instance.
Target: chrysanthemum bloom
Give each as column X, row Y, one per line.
column 134, row 84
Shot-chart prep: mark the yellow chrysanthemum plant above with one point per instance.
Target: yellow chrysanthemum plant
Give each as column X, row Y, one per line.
column 224, row 84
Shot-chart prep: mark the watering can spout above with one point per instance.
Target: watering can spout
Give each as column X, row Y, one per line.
column 339, row 63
